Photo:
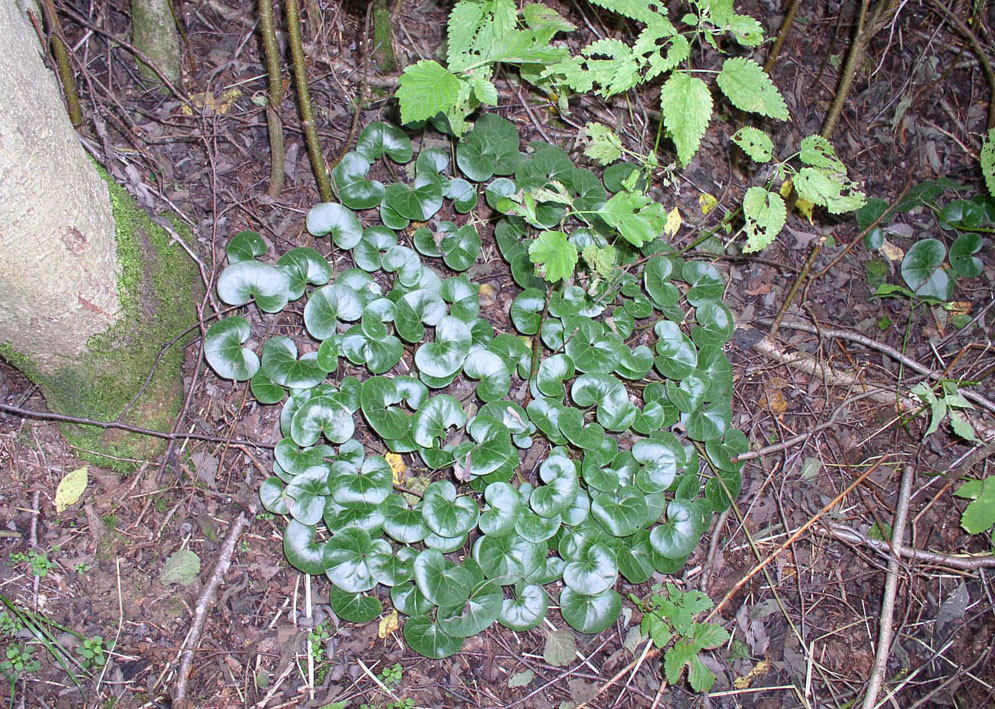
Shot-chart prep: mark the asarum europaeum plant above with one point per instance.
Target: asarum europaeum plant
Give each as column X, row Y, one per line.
column 593, row 442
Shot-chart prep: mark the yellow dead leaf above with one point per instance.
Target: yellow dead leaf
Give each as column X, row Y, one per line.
column 397, row 467
column 805, row 208
column 786, row 188
column 487, row 295
column 388, row 625
column 759, row 670
column 674, row 222
column 70, row 489
column 209, row 103
column 707, row 202
column 892, row 252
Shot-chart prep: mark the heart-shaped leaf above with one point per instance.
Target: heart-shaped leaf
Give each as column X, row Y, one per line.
column 595, row 572
column 526, row 311
column 379, row 352
column 586, row 436
column 351, row 184
column 435, row 417
column 404, row 262
column 553, row 371
column 428, row 639
column 378, row 139
column 660, row 458
column 715, row 324
column 370, row 484
column 305, row 495
column 678, row 356
column 346, row 559
column 600, row 354
column 378, row 394
column 509, row 558
column 491, row 370
column 923, row 272
column 339, row 221
column 491, row 148
column 281, row 365
column 590, row 614
column 245, row 246
column 962, row 255
column 224, row 352
column 621, row 511
column 708, row 423
column 615, row 412
column 460, row 246
column 526, row 610
column 447, row 514
column 536, row 529
column 304, row 265
column 368, row 253
column 302, row 550
column 245, row 280
column 271, row 495
column 419, row 202
column 409, row 600
column 354, row 607
column 327, row 306
column 475, row 615
column 502, row 512
column 680, row 534
column 445, row 355
column 545, row 414
column 463, row 195
column 441, row 581
column 705, row 281
column 635, row 559
column 321, row 415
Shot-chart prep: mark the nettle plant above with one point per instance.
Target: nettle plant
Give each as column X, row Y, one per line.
column 593, row 442
column 483, row 34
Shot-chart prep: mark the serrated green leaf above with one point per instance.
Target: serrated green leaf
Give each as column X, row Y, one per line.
column 425, row 89
column 686, row 106
column 748, row 88
column 554, row 255
column 755, row 143
column 603, row 145
column 765, row 214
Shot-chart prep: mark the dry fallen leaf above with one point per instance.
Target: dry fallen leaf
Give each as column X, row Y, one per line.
column 70, row 489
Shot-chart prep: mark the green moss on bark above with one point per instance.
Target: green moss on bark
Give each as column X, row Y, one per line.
column 157, row 286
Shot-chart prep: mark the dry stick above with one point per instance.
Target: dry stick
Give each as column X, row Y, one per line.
column 789, row 20
column 62, row 62
column 962, row 563
column 753, row 572
column 912, row 364
column 206, row 599
column 177, row 436
column 813, row 255
column 304, row 99
column 979, row 51
column 273, row 123
column 866, row 29
column 890, row 589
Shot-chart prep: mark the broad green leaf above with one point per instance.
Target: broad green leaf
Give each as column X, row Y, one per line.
column 425, row 89
column 621, row 511
column 269, row 285
column 708, row 423
column 245, row 246
column 526, row 610
column 337, row 220
column 224, row 352
column 715, row 324
column 526, row 311
column 271, row 495
column 403, row 523
column 922, row 269
column 765, row 214
column 475, row 615
column 447, row 514
column 441, row 581
column 460, row 246
column 301, row 549
column 659, row 458
column 356, row 608
column 832, row 190
column 445, row 355
column 327, row 306
column 509, row 558
column 351, row 184
column 493, row 449
column 304, row 265
column 463, row 195
column 585, row 436
column 305, row 495
column 817, row 151
column 599, row 354
column 321, row 415
column 409, row 600
column 680, row 534
column 492, row 371
column 590, row 614
column 962, row 255
column 748, row 88
column 559, row 473
column 987, row 158
column 595, row 572
column 979, row 515
column 370, row 484
column 377, row 396
column 491, row 148
column 502, row 512
column 280, row 364
column 346, row 555
column 425, row 636
column 686, row 106
column 635, row 561
column 419, row 201
column 614, row 410
column 553, row 371
column 554, row 256
column 434, row 418
column 705, row 281
column 368, row 253
column 378, row 139
column 182, row 567
column 636, row 216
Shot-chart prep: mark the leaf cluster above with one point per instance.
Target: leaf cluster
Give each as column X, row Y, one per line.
column 616, row 382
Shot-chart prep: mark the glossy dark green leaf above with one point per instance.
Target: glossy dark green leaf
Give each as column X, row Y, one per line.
column 714, row 368
column 418, row 202
column 245, row 246
column 408, row 599
column 535, row 528
column 474, row 616
column 403, row 523
column 492, row 371
column 492, row 449
column 346, row 555
column 715, row 324
column 732, row 444
column 356, row 608
column 526, row 610
column 433, row 161
column 447, row 514
column 224, row 352
column 659, row 458
column 590, row 614
column 416, row 309
column 635, row 363
column 677, row 354
column 441, row 581
column 491, row 148
column 392, row 568
column 598, row 355
column 335, row 219
column 559, row 473
column 578, row 432
column 301, row 549
column 271, row 495
column 526, row 311
column 962, row 255
column 434, row 418
column 503, row 509
column 463, row 195
column 616, row 174
column 614, row 410
column 553, row 371
column 446, row 353
column 509, row 558
column 370, row 484
column 680, row 534
column 705, row 281
column 352, row 186
column 460, row 246
column 327, row 306
column 305, row 495
column 377, row 397
column 708, row 423
column 463, row 297
column 269, row 285
column 428, row 639
column 621, row 511
column 593, row 573
column 281, row 365
column 635, row 559
column 381, row 138
column 545, row 414
column 923, row 270
column 368, row 253
column 689, row 395
column 304, row 265
column 321, row 415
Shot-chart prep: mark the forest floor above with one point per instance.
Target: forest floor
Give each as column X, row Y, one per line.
column 805, row 630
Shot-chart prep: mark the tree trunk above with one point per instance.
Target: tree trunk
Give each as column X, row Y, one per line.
column 154, row 33
column 90, row 288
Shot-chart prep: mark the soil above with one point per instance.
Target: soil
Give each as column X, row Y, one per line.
column 804, row 630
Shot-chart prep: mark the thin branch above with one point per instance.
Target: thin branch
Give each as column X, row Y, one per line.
column 963, row 563
column 890, row 589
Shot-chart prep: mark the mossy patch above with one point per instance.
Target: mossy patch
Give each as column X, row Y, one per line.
column 157, row 287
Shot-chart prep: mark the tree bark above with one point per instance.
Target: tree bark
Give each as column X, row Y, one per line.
column 154, row 32
column 90, row 288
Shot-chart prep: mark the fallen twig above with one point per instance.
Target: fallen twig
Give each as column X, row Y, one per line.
column 964, row 563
